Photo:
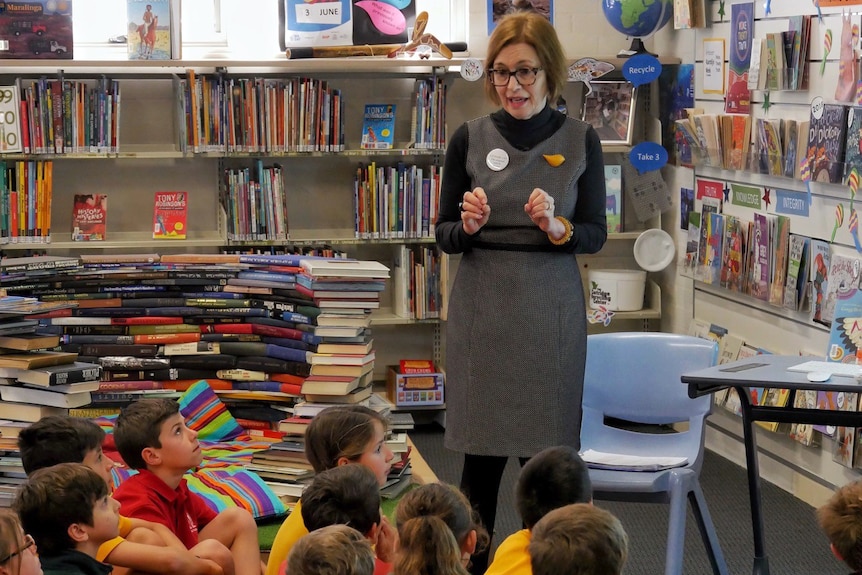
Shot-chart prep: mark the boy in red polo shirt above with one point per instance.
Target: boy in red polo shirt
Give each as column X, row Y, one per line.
column 152, row 437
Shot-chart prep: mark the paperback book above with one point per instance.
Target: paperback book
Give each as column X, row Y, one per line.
column 614, row 205
column 151, row 30
column 827, row 132
column 170, row 210
column 89, row 217
column 378, row 127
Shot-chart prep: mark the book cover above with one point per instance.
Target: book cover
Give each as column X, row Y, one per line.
column 797, row 271
column 614, row 205
column 732, row 254
column 150, row 27
column 804, row 432
column 761, row 257
column 827, row 134
column 61, row 374
column 89, row 217
column 738, row 100
column 845, row 333
column 853, row 144
column 780, row 248
column 170, row 210
column 844, row 276
column 37, row 29
column 714, row 245
column 378, row 127
column 819, row 278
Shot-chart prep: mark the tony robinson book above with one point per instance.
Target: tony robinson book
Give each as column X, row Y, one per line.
column 378, row 127
column 170, row 211
column 89, row 217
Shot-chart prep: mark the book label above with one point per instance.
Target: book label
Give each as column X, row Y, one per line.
column 89, row 217
column 169, row 215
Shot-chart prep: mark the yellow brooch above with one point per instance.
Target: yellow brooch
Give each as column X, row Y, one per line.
column 554, row 159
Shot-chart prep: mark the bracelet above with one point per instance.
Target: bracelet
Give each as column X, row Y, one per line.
column 566, row 236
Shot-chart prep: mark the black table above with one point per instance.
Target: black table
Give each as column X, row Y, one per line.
column 769, row 371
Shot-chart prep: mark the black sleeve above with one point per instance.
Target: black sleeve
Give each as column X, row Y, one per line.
column 450, row 234
column 589, row 222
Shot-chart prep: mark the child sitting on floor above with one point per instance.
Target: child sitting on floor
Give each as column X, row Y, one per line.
column 333, row 550
column 552, row 478
column 840, row 518
column 348, row 495
column 152, row 437
column 69, row 513
column 18, row 555
column 338, row 436
column 578, row 539
column 437, row 531
column 142, row 545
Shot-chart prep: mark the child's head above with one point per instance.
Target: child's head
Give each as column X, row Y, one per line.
column 67, row 506
column 580, row 539
column 63, row 439
column 18, row 554
column 152, row 433
column 333, row 550
column 552, row 478
column 349, row 434
column 347, row 494
column 840, row 519
column 420, row 515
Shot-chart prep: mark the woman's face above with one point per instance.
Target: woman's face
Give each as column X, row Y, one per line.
column 521, row 102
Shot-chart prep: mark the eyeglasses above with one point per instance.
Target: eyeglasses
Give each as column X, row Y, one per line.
column 524, row 76
column 28, row 542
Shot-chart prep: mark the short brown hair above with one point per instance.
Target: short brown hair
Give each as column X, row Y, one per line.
column 345, row 495
column 338, row 432
column 138, row 427
column 58, row 439
column 579, row 539
column 55, row 498
column 840, row 518
column 535, row 30
column 333, row 550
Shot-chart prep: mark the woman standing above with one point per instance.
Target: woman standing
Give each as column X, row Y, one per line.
column 523, row 192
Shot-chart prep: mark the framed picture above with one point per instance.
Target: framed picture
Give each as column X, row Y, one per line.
column 609, row 108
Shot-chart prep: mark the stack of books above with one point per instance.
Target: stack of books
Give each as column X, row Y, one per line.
column 11, row 470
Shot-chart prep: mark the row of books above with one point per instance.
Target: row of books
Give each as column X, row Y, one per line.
column 69, row 116
column 26, row 194
column 255, row 208
column 429, row 114
column 825, row 148
column 779, row 60
column 397, row 201
column 760, row 258
column 420, row 278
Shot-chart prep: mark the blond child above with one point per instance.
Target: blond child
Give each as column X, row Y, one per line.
column 333, row 550
column 437, row 531
column 840, row 518
column 152, row 437
column 339, row 436
column 578, row 539
column 18, row 555
column 69, row 513
column 142, row 545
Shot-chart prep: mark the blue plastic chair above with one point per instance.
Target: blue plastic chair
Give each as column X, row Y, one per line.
column 635, row 377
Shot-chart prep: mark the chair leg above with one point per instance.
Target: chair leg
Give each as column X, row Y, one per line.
column 707, row 530
column 676, row 525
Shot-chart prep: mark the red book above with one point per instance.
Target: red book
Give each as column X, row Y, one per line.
column 170, row 212
column 287, row 378
column 255, row 424
column 415, row 366
column 147, row 320
column 264, row 433
column 167, row 338
column 89, row 217
column 227, row 328
column 66, row 312
column 274, row 331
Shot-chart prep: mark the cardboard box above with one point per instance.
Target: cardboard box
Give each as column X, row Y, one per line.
column 414, row 389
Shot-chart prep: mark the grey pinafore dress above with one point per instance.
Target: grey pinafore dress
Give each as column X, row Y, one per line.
column 516, row 332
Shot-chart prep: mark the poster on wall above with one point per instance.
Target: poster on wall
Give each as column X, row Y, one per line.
column 344, row 22
column 499, row 8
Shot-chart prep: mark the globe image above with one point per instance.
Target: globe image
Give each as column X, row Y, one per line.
column 637, row 18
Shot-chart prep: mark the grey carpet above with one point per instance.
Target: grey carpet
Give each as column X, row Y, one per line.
column 794, row 542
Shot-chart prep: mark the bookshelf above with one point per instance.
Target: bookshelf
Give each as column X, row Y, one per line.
column 318, row 184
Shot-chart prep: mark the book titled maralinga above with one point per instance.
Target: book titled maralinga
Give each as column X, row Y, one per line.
column 378, row 127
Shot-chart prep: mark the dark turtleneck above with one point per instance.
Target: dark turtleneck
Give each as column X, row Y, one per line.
column 526, row 134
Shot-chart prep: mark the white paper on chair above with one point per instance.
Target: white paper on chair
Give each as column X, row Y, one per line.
column 622, row 462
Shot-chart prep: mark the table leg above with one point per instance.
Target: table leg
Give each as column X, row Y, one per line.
column 761, row 561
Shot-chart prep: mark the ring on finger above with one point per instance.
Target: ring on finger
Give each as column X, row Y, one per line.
column 547, row 205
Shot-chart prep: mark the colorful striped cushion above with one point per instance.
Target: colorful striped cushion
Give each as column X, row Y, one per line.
column 206, row 414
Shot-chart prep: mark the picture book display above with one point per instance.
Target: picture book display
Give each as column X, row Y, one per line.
column 89, row 217
column 853, row 145
column 378, row 127
column 150, row 29
column 40, row 29
column 170, row 210
column 614, row 190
